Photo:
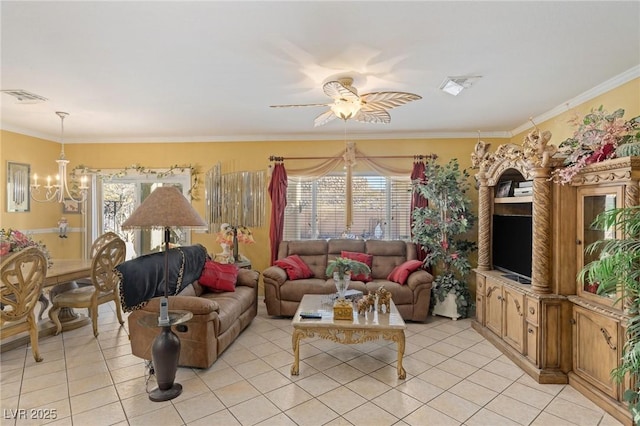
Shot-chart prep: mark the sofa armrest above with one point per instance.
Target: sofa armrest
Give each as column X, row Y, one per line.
column 419, row 278
column 275, row 275
column 195, row 305
column 248, row 277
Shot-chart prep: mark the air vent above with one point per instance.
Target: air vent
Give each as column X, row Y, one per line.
column 24, row 96
column 455, row 85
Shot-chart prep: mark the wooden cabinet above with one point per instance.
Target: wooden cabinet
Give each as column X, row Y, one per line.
column 493, row 307
column 505, row 313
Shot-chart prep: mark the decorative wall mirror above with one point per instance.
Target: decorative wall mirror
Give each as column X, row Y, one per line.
column 18, row 196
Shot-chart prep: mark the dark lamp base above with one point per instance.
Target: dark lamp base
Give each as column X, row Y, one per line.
column 159, row 395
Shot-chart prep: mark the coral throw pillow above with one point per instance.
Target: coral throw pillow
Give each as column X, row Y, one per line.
column 401, row 272
column 219, row 277
column 367, row 259
column 294, row 267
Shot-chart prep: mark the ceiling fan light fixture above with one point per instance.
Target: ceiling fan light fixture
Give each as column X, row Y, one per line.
column 455, row 85
column 345, row 109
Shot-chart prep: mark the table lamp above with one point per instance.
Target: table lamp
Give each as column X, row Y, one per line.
column 163, row 208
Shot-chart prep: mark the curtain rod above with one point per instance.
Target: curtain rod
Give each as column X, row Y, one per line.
column 415, row 157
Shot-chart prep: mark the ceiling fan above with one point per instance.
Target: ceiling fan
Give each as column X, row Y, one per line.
column 347, row 104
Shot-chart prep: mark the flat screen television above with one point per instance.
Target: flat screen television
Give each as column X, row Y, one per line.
column 513, row 245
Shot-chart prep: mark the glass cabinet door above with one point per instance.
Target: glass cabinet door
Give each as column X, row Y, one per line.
column 592, row 202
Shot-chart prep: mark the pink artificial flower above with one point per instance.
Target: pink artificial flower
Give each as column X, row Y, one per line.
column 601, row 154
column 454, row 255
column 5, row 247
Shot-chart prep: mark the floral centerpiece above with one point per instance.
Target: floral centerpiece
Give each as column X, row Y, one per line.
column 596, row 138
column 341, row 269
column 12, row 241
column 229, row 236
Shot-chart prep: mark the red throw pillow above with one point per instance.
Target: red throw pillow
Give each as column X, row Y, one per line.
column 219, row 277
column 367, row 259
column 294, row 267
column 401, row 272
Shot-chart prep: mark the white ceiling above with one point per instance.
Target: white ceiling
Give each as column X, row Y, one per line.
column 208, row 71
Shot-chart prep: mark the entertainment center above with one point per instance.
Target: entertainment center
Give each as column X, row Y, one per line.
column 530, row 250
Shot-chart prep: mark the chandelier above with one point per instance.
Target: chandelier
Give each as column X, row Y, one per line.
column 59, row 190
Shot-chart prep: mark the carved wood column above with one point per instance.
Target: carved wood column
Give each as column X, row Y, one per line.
column 541, row 230
column 484, row 223
column 632, row 194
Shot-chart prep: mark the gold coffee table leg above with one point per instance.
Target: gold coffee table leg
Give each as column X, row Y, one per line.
column 401, row 373
column 295, row 340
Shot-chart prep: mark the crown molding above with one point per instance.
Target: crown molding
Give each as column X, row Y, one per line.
column 594, row 92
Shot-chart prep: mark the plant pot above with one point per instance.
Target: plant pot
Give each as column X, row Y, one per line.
column 447, row 308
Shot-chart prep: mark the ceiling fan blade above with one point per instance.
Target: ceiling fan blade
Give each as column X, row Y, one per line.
column 386, row 100
column 324, row 118
column 374, row 116
column 297, row 105
column 338, row 91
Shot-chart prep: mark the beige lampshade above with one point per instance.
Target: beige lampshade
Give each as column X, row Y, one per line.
column 164, row 207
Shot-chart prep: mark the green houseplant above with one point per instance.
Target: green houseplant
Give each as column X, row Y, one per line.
column 440, row 228
column 618, row 268
column 341, row 269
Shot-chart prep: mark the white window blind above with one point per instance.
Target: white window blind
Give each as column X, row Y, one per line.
column 316, row 209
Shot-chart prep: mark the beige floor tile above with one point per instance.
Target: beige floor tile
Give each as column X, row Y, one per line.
column 318, row 384
column 288, row 396
column 428, row 357
column 75, row 372
column 370, row 414
column 279, row 420
column 198, row 407
column 44, row 381
column 345, row 352
column 45, row 413
column 165, row 416
column 44, row 396
column 386, row 355
column 222, row 417
column 278, row 359
column 457, row 368
column 473, row 392
column 389, row 375
column 366, row 363
column 512, row 409
column 472, row 358
column 105, row 415
column 123, row 374
column 486, row 417
column 116, row 351
column 89, row 384
column 342, row 400
column 486, row 349
column 269, row 381
column 435, row 335
column 508, row 371
column 265, row 349
column 440, row 378
column 254, row 410
column 528, row 395
column 574, row 413
column 122, row 362
column 454, row 406
column 236, row 393
column 368, row 387
column 322, row 361
column 426, row 415
column 141, row 404
column 414, row 366
column 420, row 390
column 85, row 358
column 546, row 419
column 343, row 373
column 608, row 420
column 423, row 340
column 276, row 334
column 311, row 413
column 66, row 421
column 459, row 341
column 397, row 403
column 237, row 355
column 572, row 395
column 445, row 349
column 90, row 400
column 252, row 368
column 490, row 380
column 132, row 388
column 551, row 389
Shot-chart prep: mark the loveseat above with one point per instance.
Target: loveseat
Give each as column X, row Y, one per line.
column 282, row 294
column 218, row 319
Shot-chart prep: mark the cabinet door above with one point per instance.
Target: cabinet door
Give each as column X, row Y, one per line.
column 493, row 301
column 595, row 352
column 513, row 325
column 480, row 291
column 532, row 343
column 591, row 202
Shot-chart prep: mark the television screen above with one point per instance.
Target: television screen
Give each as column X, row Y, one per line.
column 512, row 244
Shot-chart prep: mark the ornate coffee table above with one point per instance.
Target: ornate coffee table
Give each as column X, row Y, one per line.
column 363, row 328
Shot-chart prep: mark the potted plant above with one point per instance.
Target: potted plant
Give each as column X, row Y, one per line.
column 341, row 269
column 439, row 230
column 618, row 268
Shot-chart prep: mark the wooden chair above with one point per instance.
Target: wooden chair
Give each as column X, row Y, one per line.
column 104, row 286
column 22, row 276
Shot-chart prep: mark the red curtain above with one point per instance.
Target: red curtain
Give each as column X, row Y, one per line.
column 417, row 200
column 278, row 194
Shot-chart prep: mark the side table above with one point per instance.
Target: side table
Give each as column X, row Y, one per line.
column 165, row 354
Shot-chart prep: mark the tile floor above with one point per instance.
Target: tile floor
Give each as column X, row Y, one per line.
column 454, row 377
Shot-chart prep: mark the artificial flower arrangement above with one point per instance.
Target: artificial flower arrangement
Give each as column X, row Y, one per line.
column 225, row 235
column 596, row 138
column 12, row 241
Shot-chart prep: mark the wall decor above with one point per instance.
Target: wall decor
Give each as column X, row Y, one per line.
column 18, row 197
column 71, row 206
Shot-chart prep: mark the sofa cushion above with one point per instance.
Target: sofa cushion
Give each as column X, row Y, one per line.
column 401, row 272
column 295, row 267
column 218, row 276
column 367, row 259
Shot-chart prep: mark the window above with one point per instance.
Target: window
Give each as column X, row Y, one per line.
column 316, row 209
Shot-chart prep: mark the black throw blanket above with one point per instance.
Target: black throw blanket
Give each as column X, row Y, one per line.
column 142, row 278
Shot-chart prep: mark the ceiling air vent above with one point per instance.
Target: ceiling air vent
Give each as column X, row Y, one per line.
column 455, row 85
column 24, row 96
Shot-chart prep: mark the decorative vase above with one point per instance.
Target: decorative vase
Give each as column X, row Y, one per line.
column 226, row 251
column 342, row 284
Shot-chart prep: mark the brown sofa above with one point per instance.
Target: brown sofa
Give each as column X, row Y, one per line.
column 282, row 295
column 218, row 318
